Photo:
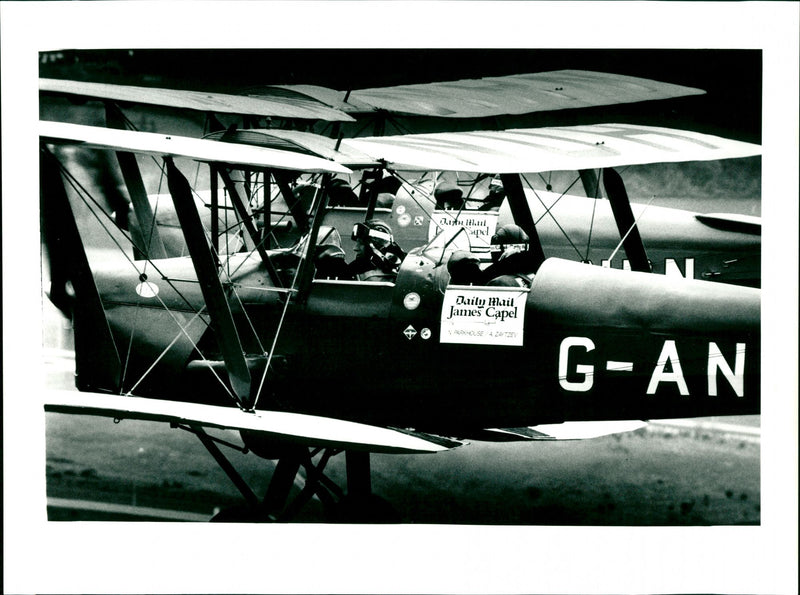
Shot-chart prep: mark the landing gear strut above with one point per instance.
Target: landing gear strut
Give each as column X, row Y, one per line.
column 357, row 505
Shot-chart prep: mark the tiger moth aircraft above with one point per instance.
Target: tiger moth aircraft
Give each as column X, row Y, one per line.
column 305, row 364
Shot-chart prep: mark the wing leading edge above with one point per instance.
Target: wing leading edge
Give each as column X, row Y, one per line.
column 304, row 429
column 180, row 146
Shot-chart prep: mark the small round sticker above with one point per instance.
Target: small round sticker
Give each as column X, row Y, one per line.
column 404, row 220
column 147, row 290
column 425, row 333
column 411, row 301
column 400, row 209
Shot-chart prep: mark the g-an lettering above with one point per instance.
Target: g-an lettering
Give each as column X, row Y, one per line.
column 563, row 365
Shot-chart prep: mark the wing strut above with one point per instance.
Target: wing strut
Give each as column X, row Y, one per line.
column 150, row 240
column 591, row 183
column 97, row 364
column 213, row 293
column 294, row 204
column 247, row 221
column 626, row 224
column 522, row 214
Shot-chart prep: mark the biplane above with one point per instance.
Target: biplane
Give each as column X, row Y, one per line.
column 307, row 365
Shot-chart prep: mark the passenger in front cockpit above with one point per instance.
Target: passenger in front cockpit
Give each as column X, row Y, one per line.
column 512, row 262
column 378, row 257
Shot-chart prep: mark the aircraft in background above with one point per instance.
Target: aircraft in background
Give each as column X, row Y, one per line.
column 307, row 365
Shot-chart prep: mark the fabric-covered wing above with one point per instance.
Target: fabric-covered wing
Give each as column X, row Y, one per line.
column 181, row 146
column 574, row 430
column 295, row 140
column 295, row 427
column 494, row 96
column 283, row 106
column 568, row 148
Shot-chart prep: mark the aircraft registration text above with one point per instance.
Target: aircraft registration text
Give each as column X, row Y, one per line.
column 578, row 370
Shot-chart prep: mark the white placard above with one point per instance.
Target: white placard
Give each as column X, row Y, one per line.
column 480, row 225
column 483, row 315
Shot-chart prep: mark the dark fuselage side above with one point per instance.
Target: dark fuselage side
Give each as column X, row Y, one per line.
column 593, row 339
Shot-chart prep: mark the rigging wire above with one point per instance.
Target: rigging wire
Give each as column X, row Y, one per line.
column 547, row 211
column 84, row 195
column 630, row 229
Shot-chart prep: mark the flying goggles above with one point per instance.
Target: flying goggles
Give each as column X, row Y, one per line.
column 509, row 247
column 366, row 234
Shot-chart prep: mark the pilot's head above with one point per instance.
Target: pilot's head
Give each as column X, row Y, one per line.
column 341, row 194
column 496, row 186
column 507, row 240
column 372, row 236
column 464, row 268
column 448, row 196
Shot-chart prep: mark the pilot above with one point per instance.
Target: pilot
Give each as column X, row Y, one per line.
column 464, row 268
column 495, row 197
column 330, row 263
column 448, row 197
column 512, row 263
column 378, row 257
column 340, row 194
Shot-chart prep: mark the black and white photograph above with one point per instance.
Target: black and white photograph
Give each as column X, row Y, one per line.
column 313, row 298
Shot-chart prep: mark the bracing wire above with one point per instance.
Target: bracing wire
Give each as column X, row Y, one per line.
column 84, row 196
column 547, row 211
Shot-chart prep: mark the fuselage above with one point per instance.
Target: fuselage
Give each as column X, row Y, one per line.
column 582, row 343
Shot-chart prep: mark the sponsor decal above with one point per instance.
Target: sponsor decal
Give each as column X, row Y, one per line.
column 479, row 225
column 411, row 300
column 483, row 316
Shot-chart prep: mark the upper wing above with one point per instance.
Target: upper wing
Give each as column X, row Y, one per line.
column 309, row 430
column 494, row 96
column 295, row 140
column 181, row 146
column 294, row 106
column 533, row 150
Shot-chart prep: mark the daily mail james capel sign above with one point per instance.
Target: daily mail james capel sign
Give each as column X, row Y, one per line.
column 480, row 225
column 483, row 315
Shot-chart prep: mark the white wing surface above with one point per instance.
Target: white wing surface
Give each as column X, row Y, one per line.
column 567, row 148
column 303, row 429
column 181, row 146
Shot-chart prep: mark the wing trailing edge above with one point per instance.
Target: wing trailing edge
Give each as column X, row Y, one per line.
column 303, row 429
